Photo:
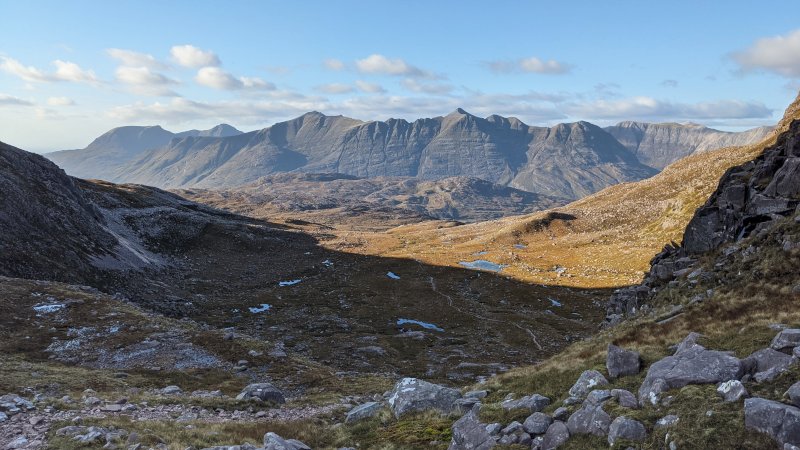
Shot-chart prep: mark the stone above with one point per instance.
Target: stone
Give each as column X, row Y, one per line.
column 796, row 352
column 794, row 394
column 691, row 364
column 18, row 442
column 412, row 394
column 12, row 404
column 625, row 428
column 688, row 342
column 532, row 403
column 598, row 397
column 511, row 428
column 262, row 391
column 274, row 442
column 557, row 435
column 781, row 422
column 621, row 362
column 465, row 404
column 561, row 414
column 92, row 401
column 537, row 423
column 470, row 434
column 786, row 339
column 3, row 417
column 667, row 421
column 767, row 363
column 171, row 390
column 361, row 412
column 588, row 380
column 494, row 428
column 731, row 390
column 589, row 419
column 476, row 394
column 624, row 398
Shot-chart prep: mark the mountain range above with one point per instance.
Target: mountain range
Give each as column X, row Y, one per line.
column 567, row 160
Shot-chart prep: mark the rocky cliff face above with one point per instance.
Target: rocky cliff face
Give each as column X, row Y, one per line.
column 569, row 160
column 751, row 199
column 660, row 144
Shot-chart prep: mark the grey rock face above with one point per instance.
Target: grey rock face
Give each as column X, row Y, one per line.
column 625, row 428
column 361, row 412
column 695, row 365
column 262, row 391
column 470, row 434
column 620, row 362
column 588, row 380
column 732, row 390
column 660, row 144
column 537, row 423
column 794, row 394
column 532, row 403
column 626, row 399
column 767, row 363
column 781, row 422
column 411, row 394
column 274, row 442
column 557, row 435
column 589, row 419
column 786, row 339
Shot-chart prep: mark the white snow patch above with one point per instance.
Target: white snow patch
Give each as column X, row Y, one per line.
column 46, row 309
column 289, row 282
column 261, row 308
column 393, row 275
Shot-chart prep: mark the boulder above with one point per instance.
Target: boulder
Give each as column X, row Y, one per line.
column 691, row 364
column 171, row 390
column 794, row 394
column 262, row 391
column 625, row 428
column 274, row 442
column 361, row 412
column 598, row 397
column 626, row 399
column 731, row 390
column 512, row 428
column 557, row 434
column 411, row 394
column 621, row 362
column 589, row 419
column 786, row 339
column 470, row 434
column 11, row 404
column 561, row 414
column 588, row 380
column 781, row 422
column 476, row 394
column 532, row 403
column 767, row 363
column 537, row 423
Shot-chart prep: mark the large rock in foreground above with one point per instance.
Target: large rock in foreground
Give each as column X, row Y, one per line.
column 470, row 434
column 262, row 391
column 621, row 362
column 690, row 365
column 411, row 394
column 781, row 422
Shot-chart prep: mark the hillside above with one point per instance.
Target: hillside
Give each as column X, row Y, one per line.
column 660, row 144
column 105, row 155
column 332, row 198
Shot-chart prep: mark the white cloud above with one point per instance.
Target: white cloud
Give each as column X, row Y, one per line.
column 647, row 108
column 216, row 78
column 371, row 88
column 135, row 59
column 530, row 65
column 333, row 64
column 69, row 71
column 778, row 54
column 379, row 64
column 60, row 101
column 335, row 88
column 142, row 80
column 10, row 100
column 426, row 88
column 65, row 71
column 191, row 56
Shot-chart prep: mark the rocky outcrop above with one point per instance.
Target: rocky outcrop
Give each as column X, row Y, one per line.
column 265, row 392
column 691, row 365
column 414, row 395
column 781, row 422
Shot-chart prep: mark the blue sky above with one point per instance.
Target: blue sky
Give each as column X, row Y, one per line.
column 70, row 71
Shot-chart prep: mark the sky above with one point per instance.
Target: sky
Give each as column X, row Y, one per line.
column 69, row 71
